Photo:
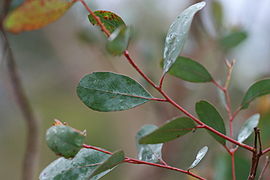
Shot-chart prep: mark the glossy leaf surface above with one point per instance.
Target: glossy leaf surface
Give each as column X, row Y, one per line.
column 64, row 140
column 190, row 70
column 107, row 91
column 33, row 15
column 177, row 35
column 169, row 131
column 79, row 168
column 199, row 157
column 209, row 115
column 248, row 128
column 148, row 152
column 110, row 20
column 258, row 89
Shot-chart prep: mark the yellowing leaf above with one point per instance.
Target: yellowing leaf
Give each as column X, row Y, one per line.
column 33, row 15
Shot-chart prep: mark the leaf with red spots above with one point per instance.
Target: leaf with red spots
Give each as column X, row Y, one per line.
column 110, row 20
column 36, row 14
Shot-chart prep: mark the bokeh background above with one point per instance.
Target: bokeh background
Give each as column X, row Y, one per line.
column 52, row 60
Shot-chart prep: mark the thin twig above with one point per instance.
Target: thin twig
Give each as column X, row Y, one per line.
column 31, row 152
column 134, row 65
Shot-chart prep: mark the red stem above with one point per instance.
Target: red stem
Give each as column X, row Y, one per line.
column 131, row 61
column 101, row 25
column 233, row 166
column 161, row 80
column 126, row 54
column 265, row 151
column 136, row 161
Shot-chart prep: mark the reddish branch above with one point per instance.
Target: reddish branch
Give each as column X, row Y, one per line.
column 136, row 161
column 158, row 88
column 231, row 114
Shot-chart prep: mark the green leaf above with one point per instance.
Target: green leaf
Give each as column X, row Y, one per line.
column 116, row 158
column 33, row 15
column 169, row 131
column 148, row 152
column 233, row 39
column 248, row 128
column 118, row 40
column 107, row 91
column 223, row 167
column 199, row 157
column 258, row 89
column 79, row 168
column 110, row 20
column 210, row 116
column 190, row 70
column 64, row 140
column 177, row 35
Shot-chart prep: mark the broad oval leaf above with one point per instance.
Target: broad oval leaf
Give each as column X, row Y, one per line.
column 248, row 127
column 209, row 115
column 110, row 20
column 107, row 91
column 258, row 89
column 64, row 140
column 177, row 35
column 79, row 168
column 190, row 70
column 148, row 152
column 115, row 159
column 33, row 15
column 169, row 131
column 199, row 157
column 233, row 39
column 118, row 40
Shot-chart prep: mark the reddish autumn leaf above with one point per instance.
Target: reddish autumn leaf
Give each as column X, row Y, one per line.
column 35, row 14
column 110, row 20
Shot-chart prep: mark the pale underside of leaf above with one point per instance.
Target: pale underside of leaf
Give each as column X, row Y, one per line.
column 199, row 157
column 177, row 35
column 148, row 152
column 248, row 128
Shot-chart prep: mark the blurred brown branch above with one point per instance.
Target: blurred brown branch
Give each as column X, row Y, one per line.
column 31, row 152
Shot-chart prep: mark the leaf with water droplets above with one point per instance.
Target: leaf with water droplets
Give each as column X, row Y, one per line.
column 79, row 168
column 107, row 91
column 148, row 152
column 248, row 127
column 35, row 14
column 177, row 35
column 199, row 157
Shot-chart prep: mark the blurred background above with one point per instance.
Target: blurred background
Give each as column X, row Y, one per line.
column 52, row 60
